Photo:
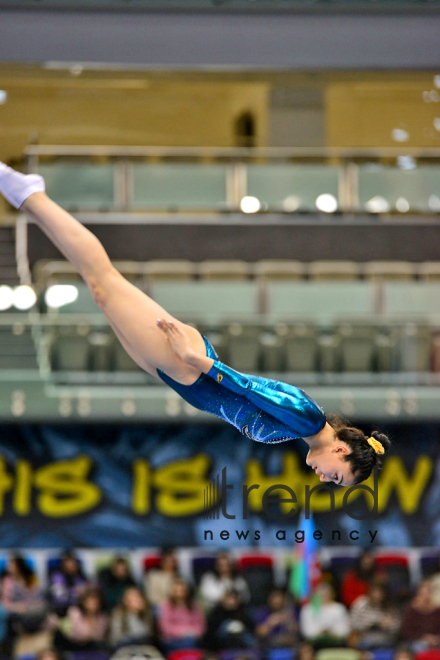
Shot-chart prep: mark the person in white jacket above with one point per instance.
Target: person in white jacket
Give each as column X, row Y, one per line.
column 214, row 585
column 325, row 622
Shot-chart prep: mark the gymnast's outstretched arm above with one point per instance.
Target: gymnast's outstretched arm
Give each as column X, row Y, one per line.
column 130, row 312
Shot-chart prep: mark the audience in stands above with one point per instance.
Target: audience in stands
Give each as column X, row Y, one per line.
column 180, row 619
column 356, row 580
column 85, row 626
column 178, row 622
column 131, row 621
column 229, row 624
column 114, row 580
column 421, row 620
column 374, row 619
column 276, row 624
column 224, row 578
column 324, row 622
column 23, row 604
column 66, row 582
column 158, row 581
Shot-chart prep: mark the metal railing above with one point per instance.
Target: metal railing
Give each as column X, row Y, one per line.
column 230, row 5
column 350, row 169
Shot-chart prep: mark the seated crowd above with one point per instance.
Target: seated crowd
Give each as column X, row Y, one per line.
column 77, row 616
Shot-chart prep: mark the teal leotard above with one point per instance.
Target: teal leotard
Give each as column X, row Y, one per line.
column 264, row 410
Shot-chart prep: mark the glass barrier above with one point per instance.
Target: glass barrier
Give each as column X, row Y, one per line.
column 294, row 187
column 235, row 183
column 80, row 185
column 383, row 189
column 179, row 186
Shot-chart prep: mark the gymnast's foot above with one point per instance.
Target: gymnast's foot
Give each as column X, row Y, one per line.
column 16, row 187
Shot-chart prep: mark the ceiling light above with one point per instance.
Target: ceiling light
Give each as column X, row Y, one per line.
column 6, row 297
column 327, row 203
column 377, row 204
column 60, row 294
column 250, row 205
column 400, row 135
column 24, row 297
column 402, row 205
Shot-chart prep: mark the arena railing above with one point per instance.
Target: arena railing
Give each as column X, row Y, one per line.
column 231, row 5
column 278, row 180
column 67, row 391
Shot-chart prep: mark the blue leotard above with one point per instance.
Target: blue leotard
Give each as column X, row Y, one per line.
column 264, row 410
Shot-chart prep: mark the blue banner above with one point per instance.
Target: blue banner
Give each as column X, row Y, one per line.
column 152, row 485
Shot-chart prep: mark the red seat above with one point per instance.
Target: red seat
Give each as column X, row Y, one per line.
column 430, row 654
column 248, row 561
column 391, row 559
column 152, row 561
column 186, row 654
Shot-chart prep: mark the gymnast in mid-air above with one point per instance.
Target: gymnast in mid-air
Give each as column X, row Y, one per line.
column 264, row 410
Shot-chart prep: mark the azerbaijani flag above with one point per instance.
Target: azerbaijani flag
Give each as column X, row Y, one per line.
column 305, row 573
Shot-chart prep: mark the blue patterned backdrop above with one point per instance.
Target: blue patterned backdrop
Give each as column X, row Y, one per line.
column 133, row 486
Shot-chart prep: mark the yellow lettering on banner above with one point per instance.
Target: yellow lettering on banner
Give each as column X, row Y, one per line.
column 22, row 499
column 6, row 483
column 409, row 488
column 180, row 486
column 141, row 494
column 292, row 475
column 64, row 488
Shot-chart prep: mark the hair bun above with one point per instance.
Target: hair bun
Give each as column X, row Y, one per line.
column 383, row 439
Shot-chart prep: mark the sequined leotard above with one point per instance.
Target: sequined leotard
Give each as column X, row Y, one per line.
column 264, row 410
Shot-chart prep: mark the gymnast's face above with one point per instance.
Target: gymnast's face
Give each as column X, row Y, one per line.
column 329, row 464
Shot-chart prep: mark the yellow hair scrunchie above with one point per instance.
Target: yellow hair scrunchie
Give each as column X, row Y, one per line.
column 377, row 446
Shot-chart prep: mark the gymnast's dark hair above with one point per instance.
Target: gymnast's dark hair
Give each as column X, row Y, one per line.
column 362, row 457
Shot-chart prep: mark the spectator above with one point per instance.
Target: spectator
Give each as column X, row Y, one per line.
column 276, row 623
column 224, row 578
column 114, row 580
column 356, row 580
column 403, row 654
column 131, row 621
column 374, row 619
column 180, row 620
column 306, row 651
column 22, row 599
column 48, row 654
column 326, row 623
column 421, row 620
column 229, row 625
column 158, row 581
column 435, row 584
column 66, row 584
column 85, row 626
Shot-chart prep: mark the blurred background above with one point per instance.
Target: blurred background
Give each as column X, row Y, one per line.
column 268, row 170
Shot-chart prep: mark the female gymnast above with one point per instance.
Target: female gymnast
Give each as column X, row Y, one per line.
column 262, row 409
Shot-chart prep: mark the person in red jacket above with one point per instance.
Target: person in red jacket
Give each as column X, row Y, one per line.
column 356, row 581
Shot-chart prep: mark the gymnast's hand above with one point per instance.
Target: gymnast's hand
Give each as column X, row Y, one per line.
column 181, row 345
column 178, row 339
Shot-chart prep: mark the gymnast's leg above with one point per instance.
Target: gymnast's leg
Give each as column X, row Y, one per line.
column 131, row 313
